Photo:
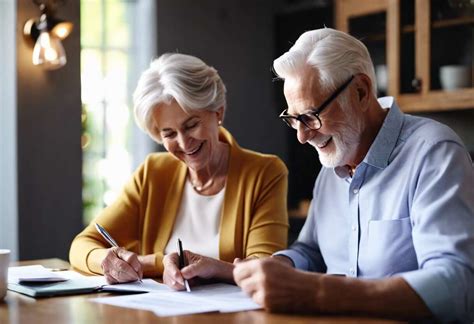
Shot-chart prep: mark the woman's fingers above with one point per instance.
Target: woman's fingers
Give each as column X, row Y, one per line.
column 131, row 259
column 172, row 275
column 120, row 265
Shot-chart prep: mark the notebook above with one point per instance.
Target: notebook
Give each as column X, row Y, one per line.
column 71, row 283
column 33, row 274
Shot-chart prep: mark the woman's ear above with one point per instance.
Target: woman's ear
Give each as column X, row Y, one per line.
column 220, row 115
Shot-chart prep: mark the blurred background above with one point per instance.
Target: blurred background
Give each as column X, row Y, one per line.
column 68, row 139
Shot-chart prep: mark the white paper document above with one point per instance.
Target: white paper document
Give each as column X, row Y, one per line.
column 203, row 299
column 147, row 285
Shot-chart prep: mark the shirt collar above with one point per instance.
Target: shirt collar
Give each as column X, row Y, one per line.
column 385, row 141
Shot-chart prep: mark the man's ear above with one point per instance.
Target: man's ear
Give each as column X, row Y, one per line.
column 363, row 88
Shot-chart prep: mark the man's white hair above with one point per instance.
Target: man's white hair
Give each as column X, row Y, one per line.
column 335, row 55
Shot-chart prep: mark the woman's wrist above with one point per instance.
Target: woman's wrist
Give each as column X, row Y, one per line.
column 94, row 260
column 223, row 270
column 148, row 263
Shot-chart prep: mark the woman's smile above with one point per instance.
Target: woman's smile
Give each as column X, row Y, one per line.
column 195, row 150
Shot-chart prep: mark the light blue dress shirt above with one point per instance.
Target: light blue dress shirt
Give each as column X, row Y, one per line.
column 408, row 211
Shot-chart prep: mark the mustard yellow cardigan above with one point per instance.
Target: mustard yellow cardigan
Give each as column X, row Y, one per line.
column 254, row 219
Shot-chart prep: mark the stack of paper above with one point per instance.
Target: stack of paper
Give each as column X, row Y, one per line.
column 211, row 298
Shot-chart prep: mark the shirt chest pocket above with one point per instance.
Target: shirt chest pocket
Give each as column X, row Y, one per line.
column 387, row 248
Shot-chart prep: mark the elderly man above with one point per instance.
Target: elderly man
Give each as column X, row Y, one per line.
column 390, row 230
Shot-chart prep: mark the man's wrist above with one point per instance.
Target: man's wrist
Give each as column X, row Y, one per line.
column 284, row 259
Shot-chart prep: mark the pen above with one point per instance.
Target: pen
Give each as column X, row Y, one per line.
column 107, row 237
column 182, row 263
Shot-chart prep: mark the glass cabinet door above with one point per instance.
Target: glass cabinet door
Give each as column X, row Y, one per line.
column 371, row 30
column 451, row 48
column 422, row 50
column 410, row 82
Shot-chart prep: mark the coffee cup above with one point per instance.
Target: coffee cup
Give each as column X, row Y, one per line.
column 4, row 262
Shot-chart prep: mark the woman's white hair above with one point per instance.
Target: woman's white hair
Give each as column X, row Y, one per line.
column 335, row 55
column 184, row 78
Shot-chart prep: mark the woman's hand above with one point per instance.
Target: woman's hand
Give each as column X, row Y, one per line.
column 120, row 265
column 198, row 266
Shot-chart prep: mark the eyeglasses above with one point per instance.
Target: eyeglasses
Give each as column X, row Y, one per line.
column 311, row 119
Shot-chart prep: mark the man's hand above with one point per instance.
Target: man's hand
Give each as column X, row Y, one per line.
column 277, row 286
column 120, row 265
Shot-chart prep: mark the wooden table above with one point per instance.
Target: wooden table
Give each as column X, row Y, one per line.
column 18, row 308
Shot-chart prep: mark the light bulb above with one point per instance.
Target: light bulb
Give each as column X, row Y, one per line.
column 62, row 29
column 49, row 52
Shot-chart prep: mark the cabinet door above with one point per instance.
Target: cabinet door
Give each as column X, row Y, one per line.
column 422, row 49
column 451, row 49
column 376, row 24
column 444, row 37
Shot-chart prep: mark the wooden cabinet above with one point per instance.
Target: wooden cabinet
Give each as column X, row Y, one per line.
column 411, row 42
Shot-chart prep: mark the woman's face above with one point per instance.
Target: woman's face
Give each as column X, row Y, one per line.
column 191, row 137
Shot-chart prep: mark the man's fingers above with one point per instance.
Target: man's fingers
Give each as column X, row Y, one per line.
column 243, row 270
column 249, row 286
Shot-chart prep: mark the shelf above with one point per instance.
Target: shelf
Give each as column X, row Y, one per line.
column 437, row 100
column 452, row 22
column 408, row 42
column 445, row 23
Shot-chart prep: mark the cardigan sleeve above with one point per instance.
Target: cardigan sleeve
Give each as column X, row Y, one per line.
column 123, row 220
column 268, row 230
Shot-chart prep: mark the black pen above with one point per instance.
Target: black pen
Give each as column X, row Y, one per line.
column 107, row 237
column 182, row 263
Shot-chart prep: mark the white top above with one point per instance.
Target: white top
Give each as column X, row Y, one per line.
column 197, row 223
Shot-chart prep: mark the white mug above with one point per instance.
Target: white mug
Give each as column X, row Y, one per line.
column 455, row 76
column 4, row 262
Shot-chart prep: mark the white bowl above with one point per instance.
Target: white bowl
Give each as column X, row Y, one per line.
column 381, row 76
column 455, row 76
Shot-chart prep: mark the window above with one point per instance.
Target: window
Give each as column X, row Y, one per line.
column 8, row 169
column 110, row 59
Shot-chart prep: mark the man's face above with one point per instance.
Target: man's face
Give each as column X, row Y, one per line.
column 338, row 138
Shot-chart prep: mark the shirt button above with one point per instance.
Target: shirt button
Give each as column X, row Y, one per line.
column 351, row 271
column 355, row 191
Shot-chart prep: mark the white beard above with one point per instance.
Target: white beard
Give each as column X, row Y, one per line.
column 345, row 141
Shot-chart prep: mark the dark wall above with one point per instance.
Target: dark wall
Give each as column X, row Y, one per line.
column 236, row 37
column 49, row 150
column 302, row 160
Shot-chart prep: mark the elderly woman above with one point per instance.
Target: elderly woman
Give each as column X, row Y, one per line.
column 224, row 202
